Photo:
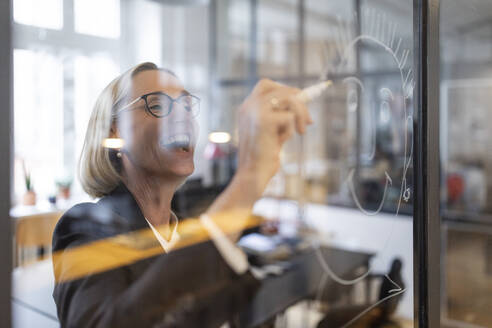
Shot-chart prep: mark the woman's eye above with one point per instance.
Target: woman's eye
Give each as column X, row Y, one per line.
column 156, row 104
column 156, row 107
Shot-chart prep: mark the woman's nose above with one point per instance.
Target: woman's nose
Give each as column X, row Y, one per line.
column 179, row 112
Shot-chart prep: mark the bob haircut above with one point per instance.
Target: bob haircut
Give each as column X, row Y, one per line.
column 99, row 168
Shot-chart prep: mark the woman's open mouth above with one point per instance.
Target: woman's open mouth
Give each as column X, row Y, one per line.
column 181, row 142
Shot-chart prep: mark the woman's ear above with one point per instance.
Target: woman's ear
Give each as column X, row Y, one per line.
column 113, row 131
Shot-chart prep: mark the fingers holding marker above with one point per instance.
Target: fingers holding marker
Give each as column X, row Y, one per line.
column 303, row 117
column 286, row 125
column 284, row 100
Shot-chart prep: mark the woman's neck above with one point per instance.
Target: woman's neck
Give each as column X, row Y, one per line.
column 153, row 194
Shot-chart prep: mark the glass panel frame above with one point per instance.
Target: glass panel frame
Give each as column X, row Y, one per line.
column 6, row 146
column 427, row 233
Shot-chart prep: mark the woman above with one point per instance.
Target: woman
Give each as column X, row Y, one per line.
column 203, row 284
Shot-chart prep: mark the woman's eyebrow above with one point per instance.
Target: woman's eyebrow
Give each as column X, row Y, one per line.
column 185, row 93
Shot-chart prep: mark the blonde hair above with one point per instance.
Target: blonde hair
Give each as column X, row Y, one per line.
column 98, row 169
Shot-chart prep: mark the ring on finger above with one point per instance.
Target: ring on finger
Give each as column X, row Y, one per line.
column 275, row 103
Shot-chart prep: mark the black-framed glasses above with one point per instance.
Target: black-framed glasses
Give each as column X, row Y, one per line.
column 160, row 104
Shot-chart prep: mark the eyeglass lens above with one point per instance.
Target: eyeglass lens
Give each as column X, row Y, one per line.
column 161, row 105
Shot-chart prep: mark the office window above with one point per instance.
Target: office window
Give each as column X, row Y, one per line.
column 46, row 13
column 38, row 104
column 56, row 82
column 103, row 21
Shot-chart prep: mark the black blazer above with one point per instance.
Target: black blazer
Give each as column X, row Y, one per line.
column 189, row 287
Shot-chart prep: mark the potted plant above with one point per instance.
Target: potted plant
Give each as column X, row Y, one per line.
column 29, row 197
column 64, row 185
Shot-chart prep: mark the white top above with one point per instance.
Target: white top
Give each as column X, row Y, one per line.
column 167, row 245
column 232, row 254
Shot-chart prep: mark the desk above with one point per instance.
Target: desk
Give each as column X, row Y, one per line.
column 301, row 281
column 33, row 286
column 33, row 228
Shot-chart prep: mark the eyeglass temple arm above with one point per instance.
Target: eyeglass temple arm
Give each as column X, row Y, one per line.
column 134, row 101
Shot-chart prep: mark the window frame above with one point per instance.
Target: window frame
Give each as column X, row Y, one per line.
column 6, row 124
column 426, row 163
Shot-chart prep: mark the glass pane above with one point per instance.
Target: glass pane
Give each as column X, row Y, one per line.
column 466, row 84
column 234, row 216
column 103, row 21
column 359, row 156
column 46, row 14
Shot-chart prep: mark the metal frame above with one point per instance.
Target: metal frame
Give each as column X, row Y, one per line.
column 427, row 221
column 6, row 124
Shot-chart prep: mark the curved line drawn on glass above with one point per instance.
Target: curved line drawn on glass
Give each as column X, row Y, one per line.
column 392, row 293
column 356, row 199
column 332, row 274
column 352, row 105
column 383, row 34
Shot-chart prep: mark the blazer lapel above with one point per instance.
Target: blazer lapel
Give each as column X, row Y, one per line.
column 128, row 216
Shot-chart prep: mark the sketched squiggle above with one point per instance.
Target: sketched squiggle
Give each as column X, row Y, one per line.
column 404, row 190
column 356, row 199
column 332, row 274
column 406, row 90
column 392, row 45
column 398, row 290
